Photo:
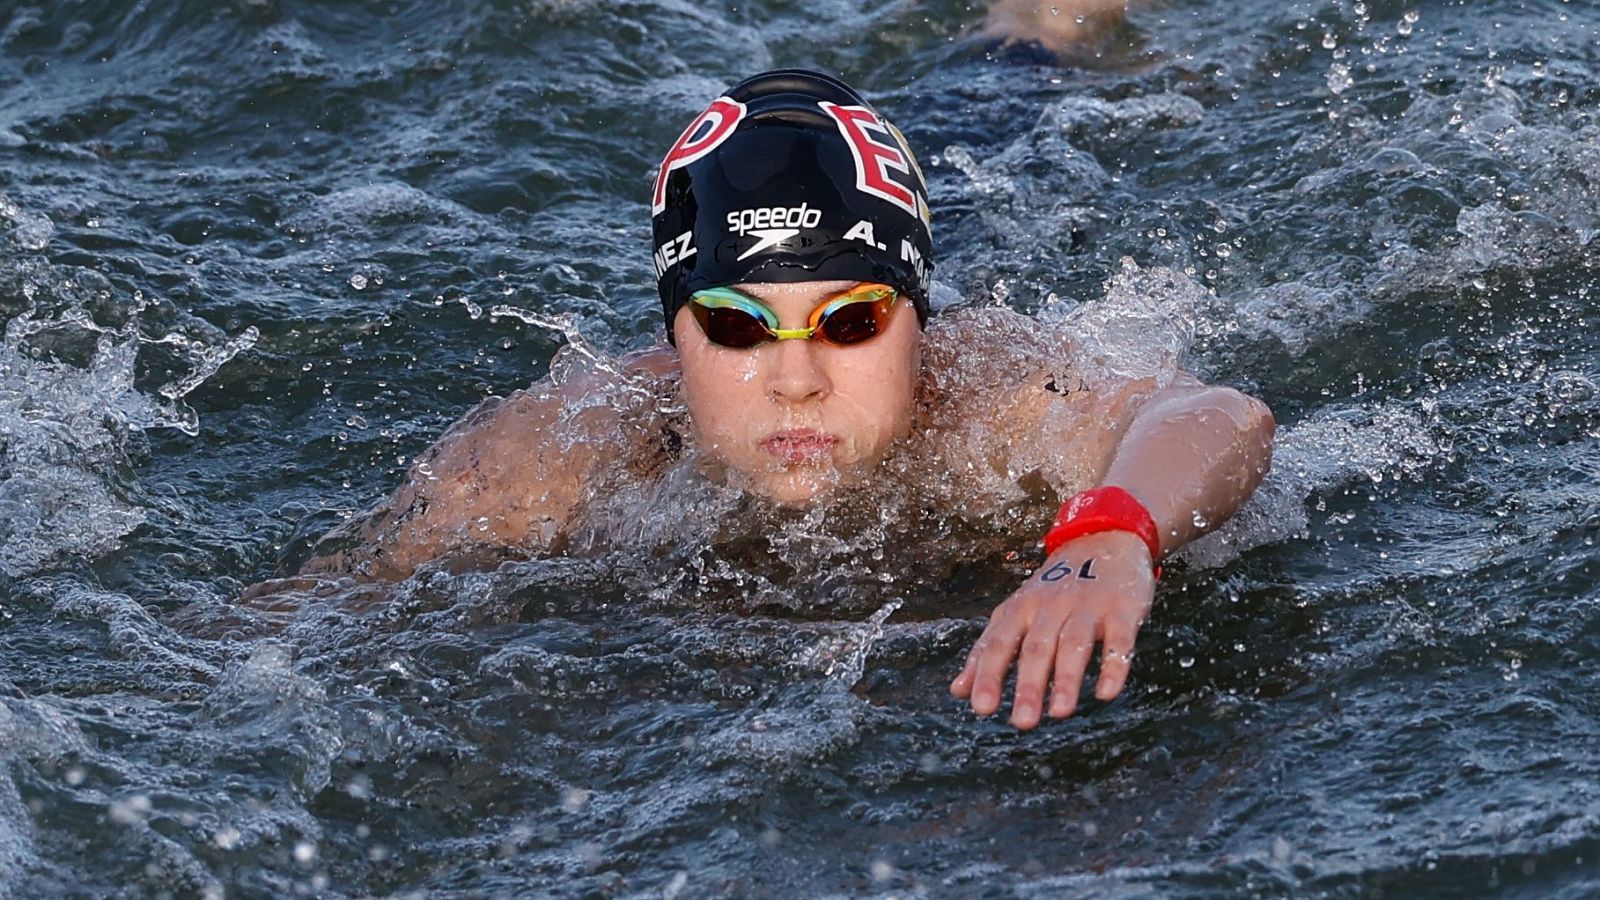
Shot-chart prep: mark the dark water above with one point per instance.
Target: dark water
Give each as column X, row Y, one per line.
column 249, row 257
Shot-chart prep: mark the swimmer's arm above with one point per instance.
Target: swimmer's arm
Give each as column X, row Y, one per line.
column 1192, row 455
column 493, row 479
column 509, row 475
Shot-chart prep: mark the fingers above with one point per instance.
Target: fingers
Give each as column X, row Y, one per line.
column 994, row 653
column 1073, row 646
column 1051, row 637
column 1034, row 665
column 1116, row 657
column 961, row 687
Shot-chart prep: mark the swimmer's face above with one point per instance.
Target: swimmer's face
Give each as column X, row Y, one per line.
column 795, row 419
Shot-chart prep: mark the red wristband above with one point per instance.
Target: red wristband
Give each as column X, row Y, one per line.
column 1104, row 509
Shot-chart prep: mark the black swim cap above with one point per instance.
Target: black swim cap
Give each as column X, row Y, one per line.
column 790, row 176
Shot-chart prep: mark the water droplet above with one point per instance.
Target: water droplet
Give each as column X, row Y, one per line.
column 1339, row 79
column 1200, row 521
column 1329, row 42
column 305, row 853
column 358, row 281
column 1186, row 662
column 882, row 870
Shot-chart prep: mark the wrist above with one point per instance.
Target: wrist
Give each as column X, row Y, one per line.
column 1103, row 510
column 1089, row 557
column 1118, row 544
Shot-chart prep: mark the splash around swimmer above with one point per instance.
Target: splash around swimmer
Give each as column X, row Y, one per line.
column 793, row 252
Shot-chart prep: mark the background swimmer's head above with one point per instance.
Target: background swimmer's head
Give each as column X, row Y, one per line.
column 790, row 177
column 795, row 419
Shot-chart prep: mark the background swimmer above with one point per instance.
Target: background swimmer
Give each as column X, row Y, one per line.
column 799, row 413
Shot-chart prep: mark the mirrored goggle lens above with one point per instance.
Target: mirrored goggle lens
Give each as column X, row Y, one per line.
column 730, row 327
column 857, row 321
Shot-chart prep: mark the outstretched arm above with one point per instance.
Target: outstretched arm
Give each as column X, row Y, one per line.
column 1192, row 455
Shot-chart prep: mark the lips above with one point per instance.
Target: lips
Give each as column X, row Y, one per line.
column 799, row 445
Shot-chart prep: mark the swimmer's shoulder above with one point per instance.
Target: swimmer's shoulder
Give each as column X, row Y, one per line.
column 996, row 350
column 512, row 472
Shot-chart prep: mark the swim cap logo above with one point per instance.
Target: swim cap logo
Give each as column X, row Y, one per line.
column 910, row 254
column 884, row 168
column 705, row 134
column 772, row 224
column 673, row 252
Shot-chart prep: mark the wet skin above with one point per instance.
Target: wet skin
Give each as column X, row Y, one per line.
column 1193, row 454
column 795, row 420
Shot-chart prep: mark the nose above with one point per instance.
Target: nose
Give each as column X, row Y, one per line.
column 795, row 374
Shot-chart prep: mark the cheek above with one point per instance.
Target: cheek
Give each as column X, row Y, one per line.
column 707, row 397
column 719, row 389
column 883, row 387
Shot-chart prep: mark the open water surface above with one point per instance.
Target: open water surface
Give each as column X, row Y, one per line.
column 255, row 255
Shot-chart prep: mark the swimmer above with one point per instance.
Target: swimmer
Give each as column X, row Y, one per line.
column 793, row 252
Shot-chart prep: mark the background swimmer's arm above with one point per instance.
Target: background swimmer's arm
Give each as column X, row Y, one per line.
column 1192, row 454
column 1057, row 24
column 509, row 475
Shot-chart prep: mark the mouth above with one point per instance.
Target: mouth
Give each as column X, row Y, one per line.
column 799, row 445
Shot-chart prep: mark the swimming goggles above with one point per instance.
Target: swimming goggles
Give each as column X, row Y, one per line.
column 732, row 318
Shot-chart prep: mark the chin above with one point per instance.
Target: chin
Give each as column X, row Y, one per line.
column 796, row 487
column 794, row 492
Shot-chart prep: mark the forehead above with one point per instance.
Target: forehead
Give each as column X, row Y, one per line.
column 806, row 290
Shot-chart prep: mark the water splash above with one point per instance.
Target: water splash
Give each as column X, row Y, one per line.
column 1143, row 326
column 1337, row 446
column 31, row 231
column 70, row 410
column 843, row 657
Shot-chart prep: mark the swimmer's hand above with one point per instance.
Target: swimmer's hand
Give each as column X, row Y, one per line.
column 1096, row 589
